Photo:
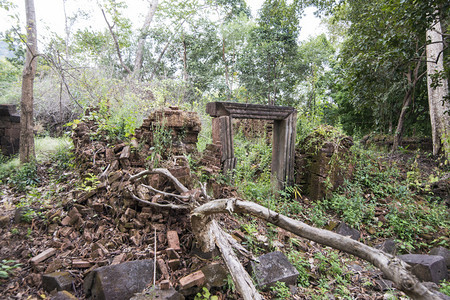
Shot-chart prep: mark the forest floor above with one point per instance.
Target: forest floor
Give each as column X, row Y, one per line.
column 54, row 214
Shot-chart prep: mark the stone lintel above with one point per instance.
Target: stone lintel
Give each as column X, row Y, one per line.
column 248, row 111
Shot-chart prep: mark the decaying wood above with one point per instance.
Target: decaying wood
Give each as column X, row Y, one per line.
column 159, row 205
column 392, row 267
column 178, row 185
column 240, row 277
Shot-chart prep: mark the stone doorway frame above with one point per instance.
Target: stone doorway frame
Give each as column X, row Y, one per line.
column 284, row 132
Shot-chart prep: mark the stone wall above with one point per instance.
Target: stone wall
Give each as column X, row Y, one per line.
column 322, row 163
column 183, row 126
column 9, row 129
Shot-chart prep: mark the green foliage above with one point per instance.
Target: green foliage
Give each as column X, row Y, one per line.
column 269, row 63
column 25, row 177
column 7, row 267
column 89, row 183
column 377, row 186
column 445, row 287
column 205, row 295
column 281, row 291
column 252, row 173
column 302, row 266
column 162, row 143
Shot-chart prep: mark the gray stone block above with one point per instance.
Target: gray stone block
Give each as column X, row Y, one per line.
column 215, row 274
column 170, row 294
column 426, row 267
column 273, row 267
column 57, row 281
column 120, row 281
column 63, row 295
column 344, row 229
column 388, row 246
column 444, row 252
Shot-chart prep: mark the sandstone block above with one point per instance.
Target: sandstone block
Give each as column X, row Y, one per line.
column 273, row 267
column 57, row 281
column 344, row 229
column 193, row 279
column 426, row 267
column 120, row 281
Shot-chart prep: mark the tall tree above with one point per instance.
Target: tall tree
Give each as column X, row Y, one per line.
column 438, row 90
column 26, row 151
column 269, row 63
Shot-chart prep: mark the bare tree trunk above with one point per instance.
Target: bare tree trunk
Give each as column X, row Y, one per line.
column 144, row 33
column 413, row 77
column 226, row 70
column 116, row 44
column 401, row 119
column 437, row 91
column 26, row 151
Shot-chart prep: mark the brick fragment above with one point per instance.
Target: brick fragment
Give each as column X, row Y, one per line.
column 173, row 240
column 196, row 278
column 43, row 256
column 164, row 285
column 118, row 259
column 163, row 268
column 81, row 264
column 174, row 264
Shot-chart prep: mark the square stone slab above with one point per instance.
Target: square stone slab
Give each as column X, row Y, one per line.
column 273, row 267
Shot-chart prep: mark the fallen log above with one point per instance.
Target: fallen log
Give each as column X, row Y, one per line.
column 391, row 266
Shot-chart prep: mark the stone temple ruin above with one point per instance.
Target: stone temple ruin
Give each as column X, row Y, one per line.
column 284, row 131
column 9, row 129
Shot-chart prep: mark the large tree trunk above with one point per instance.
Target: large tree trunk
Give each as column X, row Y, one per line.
column 144, row 33
column 437, row 91
column 26, row 151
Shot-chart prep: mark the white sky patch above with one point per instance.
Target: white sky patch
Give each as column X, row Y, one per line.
column 50, row 16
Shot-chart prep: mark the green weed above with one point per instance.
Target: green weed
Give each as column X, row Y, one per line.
column 7, row 267
column 281, row 291
column 205, row 295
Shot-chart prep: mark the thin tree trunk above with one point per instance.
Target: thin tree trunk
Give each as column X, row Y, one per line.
column 413, row 78
column 26, row 151
column 116, row 44
column 144, row 33
column 226, row 70
column 437, row 91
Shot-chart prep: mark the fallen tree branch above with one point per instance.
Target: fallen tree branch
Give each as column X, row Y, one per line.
column 165, row 193
column 240, row 277
column 178, row 185
column 391, row 266
column 159, row 205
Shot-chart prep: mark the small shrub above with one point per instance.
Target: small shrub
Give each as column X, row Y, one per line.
column 25, row 177
column 7, row 267
column 281, row 291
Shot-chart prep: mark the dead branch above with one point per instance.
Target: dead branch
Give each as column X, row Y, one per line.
column 240, row 277
column 392, row 267
column 178, row 185
column 159, row 205
column 165, row 193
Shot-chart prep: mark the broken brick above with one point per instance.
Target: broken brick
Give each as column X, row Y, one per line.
column 81, row 264
column 57, row 281
column 43, row 256
column 164, row 285
column 118, row 259
column 193, row 279
column 163, row 268
column 173, row 240
column 174, row 264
